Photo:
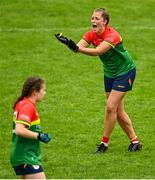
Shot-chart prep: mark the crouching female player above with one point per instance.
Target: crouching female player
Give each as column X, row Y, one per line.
column 25, row 153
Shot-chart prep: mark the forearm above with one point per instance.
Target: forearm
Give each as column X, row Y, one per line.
column 82, row 45
column 21, row 130
column 99, row 50
column 26, row 133
column 89, row 51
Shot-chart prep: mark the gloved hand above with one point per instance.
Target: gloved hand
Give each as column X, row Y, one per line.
column 71, row 44
column 44, row 137
column 61, row 38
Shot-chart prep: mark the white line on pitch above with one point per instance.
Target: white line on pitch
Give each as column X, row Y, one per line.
column 15, row 29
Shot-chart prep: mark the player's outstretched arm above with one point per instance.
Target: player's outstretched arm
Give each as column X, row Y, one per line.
column 71, row 44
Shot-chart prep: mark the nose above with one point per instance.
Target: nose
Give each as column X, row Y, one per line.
column 93, row 20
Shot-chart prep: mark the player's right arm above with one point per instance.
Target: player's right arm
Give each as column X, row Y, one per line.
column 82, row 43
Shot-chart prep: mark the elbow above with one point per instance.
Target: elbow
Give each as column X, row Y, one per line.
column 97, row 54
column 18, row 132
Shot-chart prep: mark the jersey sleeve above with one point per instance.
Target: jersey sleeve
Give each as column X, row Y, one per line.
column 113, row 39
column 25, row 115
column 88, row 37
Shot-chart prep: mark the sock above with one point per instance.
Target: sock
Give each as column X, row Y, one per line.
column 105, row 140
column 135, row 140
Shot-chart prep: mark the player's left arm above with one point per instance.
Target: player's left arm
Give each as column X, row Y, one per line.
column 82, row 46
column 21, row 130
column 99, row 50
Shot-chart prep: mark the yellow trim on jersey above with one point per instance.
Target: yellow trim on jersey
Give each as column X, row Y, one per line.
column 22, row 122
column 36, row 122
column 14, row 119
column 110, row 44
column 120, row 39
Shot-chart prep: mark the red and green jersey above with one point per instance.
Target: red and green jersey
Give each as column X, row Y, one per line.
column 24, row 150
column 117, row 60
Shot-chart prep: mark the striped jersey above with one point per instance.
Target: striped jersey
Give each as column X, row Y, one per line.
column 24, row 150
column 117, row 60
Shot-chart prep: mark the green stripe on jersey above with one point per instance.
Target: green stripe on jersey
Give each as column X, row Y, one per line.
column 26, row 150
column 117, row 61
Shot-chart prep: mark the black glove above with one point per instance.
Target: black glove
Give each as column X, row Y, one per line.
column 71, row 44
column 44, row 137
column 62, row 39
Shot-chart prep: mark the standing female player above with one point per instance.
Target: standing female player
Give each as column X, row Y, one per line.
column 25, row 154
column 119, row 74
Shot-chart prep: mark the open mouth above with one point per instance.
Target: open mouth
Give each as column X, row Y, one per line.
column 94, row 25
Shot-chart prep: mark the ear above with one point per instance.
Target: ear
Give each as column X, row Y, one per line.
column 105, row 21
column 34, row 92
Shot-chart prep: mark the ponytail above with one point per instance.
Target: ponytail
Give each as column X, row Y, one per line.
column 31, row 84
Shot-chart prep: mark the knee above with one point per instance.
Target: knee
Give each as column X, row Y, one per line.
column 110, row 108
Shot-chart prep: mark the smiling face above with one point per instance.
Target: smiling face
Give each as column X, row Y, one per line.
column 99, row 21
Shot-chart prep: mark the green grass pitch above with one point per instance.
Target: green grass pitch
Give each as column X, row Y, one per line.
column 73, row 109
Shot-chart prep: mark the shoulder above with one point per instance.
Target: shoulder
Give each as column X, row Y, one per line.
column 111, row 31
column 112, row 36
column 25, row 104
column 25, row 110
column 88, row 36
